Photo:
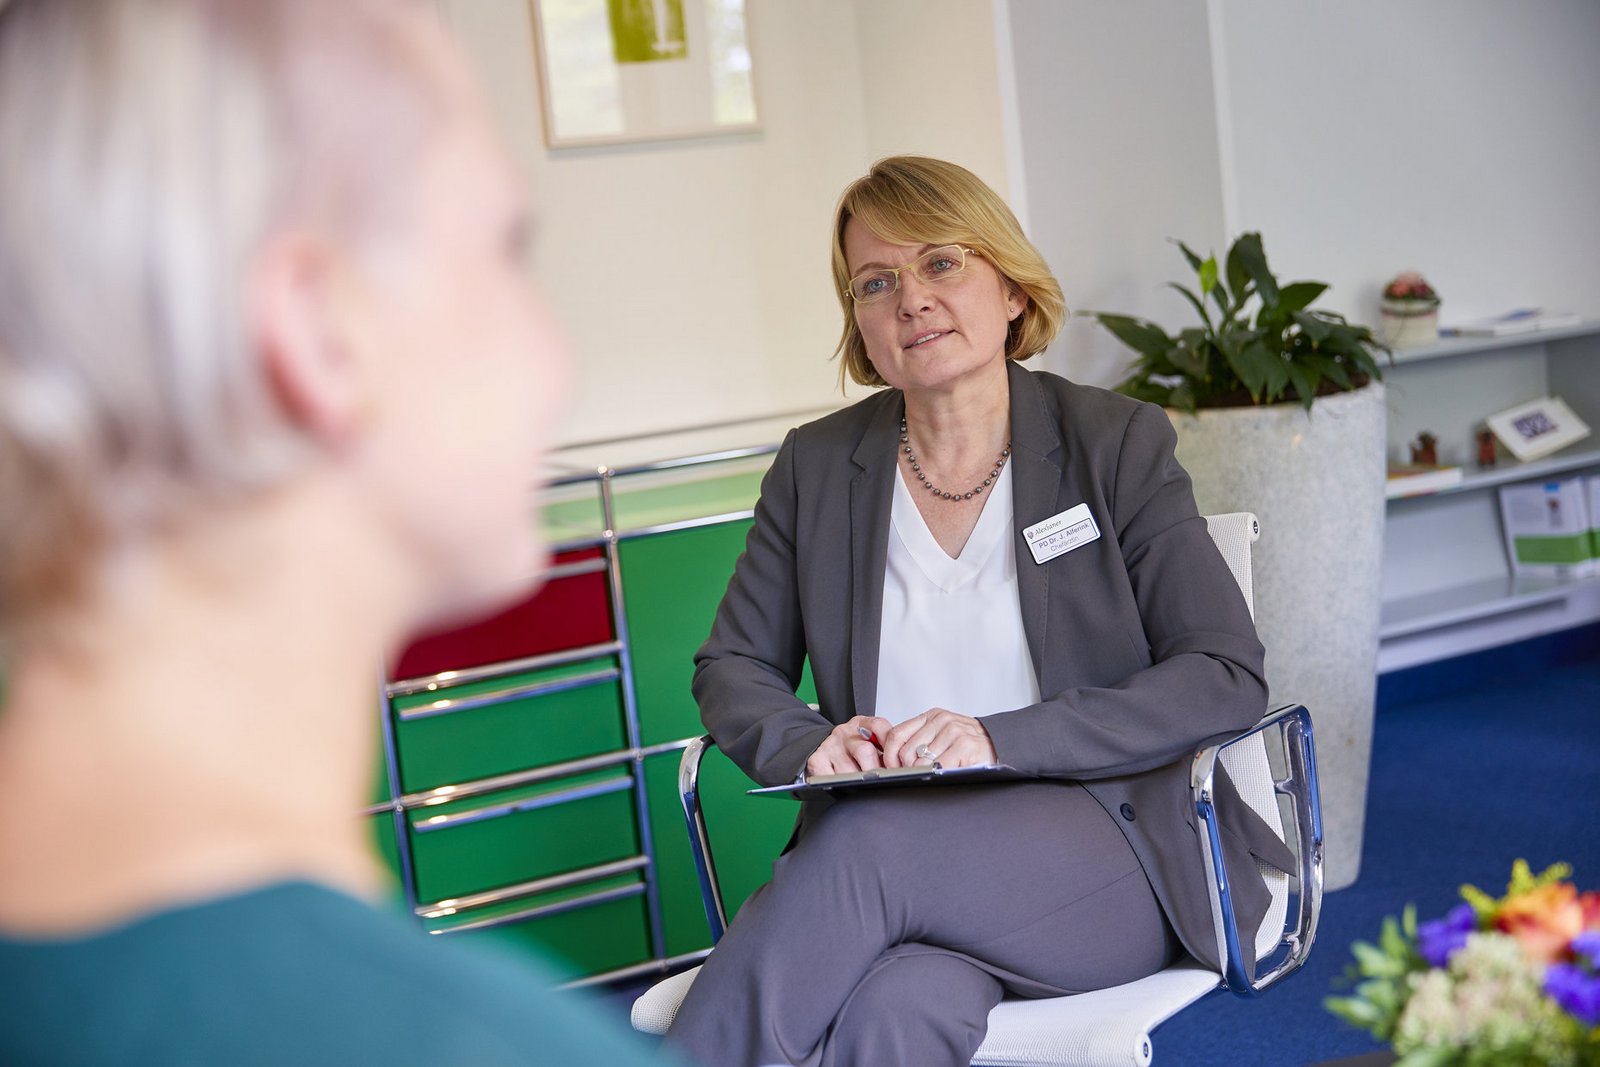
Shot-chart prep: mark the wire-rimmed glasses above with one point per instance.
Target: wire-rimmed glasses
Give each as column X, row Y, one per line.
column 933, row 266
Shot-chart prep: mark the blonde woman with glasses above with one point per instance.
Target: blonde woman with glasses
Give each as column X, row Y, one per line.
column 273, row 393
column 981, row 564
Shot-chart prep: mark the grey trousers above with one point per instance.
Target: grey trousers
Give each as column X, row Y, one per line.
column 900, row 918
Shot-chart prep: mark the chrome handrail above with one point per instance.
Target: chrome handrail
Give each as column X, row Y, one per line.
column 1293, row 724
column 699, row 839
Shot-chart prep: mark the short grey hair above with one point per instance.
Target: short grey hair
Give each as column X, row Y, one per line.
column 150, row 147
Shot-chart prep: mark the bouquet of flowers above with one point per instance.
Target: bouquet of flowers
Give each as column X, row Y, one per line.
column 1512, row 981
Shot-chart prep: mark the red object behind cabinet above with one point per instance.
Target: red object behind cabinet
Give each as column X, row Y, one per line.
column 565, row 613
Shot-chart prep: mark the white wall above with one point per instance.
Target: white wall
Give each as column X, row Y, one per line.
column 930, row 83
column 1119, row 147
column 1457, row 137
column 692, row 276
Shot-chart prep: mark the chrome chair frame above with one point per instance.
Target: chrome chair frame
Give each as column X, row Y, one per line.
column 1292, row 723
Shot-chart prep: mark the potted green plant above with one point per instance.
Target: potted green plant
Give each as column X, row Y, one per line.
column 1279, row 411
column 1283, row 351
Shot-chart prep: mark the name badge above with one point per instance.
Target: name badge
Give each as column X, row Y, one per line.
column 1061, row 533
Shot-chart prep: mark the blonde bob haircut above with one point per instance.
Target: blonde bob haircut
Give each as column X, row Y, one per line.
column 915, row 200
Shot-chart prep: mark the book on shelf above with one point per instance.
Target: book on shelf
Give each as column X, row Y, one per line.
column 1522, row 320
column 1419, row 479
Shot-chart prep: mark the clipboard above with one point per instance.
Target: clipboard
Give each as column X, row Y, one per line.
column 892, row 778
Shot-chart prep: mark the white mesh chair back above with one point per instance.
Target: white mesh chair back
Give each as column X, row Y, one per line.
column 1247, row 763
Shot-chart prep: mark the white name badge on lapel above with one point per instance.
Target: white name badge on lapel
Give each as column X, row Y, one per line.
column 1061, row 533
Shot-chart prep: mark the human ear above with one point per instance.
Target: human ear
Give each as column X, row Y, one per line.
column 301, row 335
column 1016, row 301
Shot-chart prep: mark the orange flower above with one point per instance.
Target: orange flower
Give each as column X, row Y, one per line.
column 1545, row 920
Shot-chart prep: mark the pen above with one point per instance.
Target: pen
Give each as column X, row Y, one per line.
column 870, row 736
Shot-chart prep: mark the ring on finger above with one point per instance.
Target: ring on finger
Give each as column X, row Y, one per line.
column 924, row 752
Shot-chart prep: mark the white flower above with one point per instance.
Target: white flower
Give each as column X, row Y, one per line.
column 1487, row 1002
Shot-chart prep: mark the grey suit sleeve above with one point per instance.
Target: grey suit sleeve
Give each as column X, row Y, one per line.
column 746, row 673
column 1206, row 675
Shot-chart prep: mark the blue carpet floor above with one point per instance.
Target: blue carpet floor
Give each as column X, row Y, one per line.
column 1476, row 762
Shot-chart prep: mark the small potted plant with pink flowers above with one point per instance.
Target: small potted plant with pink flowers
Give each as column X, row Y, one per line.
column 1511, row 981
column 1410, row 310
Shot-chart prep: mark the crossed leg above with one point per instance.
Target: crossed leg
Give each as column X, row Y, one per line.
column 897, row 920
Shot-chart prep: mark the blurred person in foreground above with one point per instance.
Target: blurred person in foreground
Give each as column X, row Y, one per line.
column 273, row 393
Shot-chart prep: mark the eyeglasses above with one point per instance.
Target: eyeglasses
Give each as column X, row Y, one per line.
column 937, row 265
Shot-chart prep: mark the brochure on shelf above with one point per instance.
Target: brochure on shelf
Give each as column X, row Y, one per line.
column 1522, row 320
column 1547, row 528
column 1538, row 428
column 1591, row 486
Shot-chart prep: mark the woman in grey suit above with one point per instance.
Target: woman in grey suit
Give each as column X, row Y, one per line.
column 982, row 564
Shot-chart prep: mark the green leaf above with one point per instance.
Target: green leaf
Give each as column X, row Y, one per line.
column 1353, row 1010
column 1187, row 360
column 1139, row 335
column 1238, row 277
column 1249, row 372
column 1335, row 370
column 1377, row 963
column 1208, row 275
column 1141, row 388
column 1314, row 327
column 1305, row 386
column 1484, row 906
column 1182, row 398
column 1357, row 355
column 1253, row 259
column 1390, row 940
column 1266, row 367
column 1188, row 254
column 1299, row 295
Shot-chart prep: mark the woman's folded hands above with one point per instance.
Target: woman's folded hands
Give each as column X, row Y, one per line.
column 937, row 735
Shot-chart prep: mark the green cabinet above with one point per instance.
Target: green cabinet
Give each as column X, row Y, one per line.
column 532, row 799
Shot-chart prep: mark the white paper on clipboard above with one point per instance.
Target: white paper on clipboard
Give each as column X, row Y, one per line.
column 893, row 778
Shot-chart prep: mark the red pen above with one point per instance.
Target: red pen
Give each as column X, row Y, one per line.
column 870, row 736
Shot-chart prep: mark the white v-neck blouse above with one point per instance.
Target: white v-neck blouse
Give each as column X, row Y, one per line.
column 952, row 632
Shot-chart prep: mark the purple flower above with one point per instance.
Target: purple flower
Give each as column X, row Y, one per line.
column 1587, row 944
column 1437, row 941
column 1577, row 991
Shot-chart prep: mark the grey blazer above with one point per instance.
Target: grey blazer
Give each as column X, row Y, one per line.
column 1141, row 640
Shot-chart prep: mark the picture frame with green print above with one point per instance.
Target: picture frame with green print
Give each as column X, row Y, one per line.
column 619, row 71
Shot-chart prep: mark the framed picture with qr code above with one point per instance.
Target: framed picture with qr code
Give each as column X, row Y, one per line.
column 1538, row 428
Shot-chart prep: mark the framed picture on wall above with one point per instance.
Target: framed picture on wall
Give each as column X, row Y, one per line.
column 614, row 71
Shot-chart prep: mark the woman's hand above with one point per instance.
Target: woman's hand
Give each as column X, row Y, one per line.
column 846, row 749
column 938, row 735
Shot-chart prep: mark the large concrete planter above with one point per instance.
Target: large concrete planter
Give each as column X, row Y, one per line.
column 1316, row 483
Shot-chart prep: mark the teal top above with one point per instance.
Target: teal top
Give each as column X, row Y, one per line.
column 291, row 973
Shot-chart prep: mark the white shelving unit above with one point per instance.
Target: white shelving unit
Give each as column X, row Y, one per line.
column 1448, row 587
